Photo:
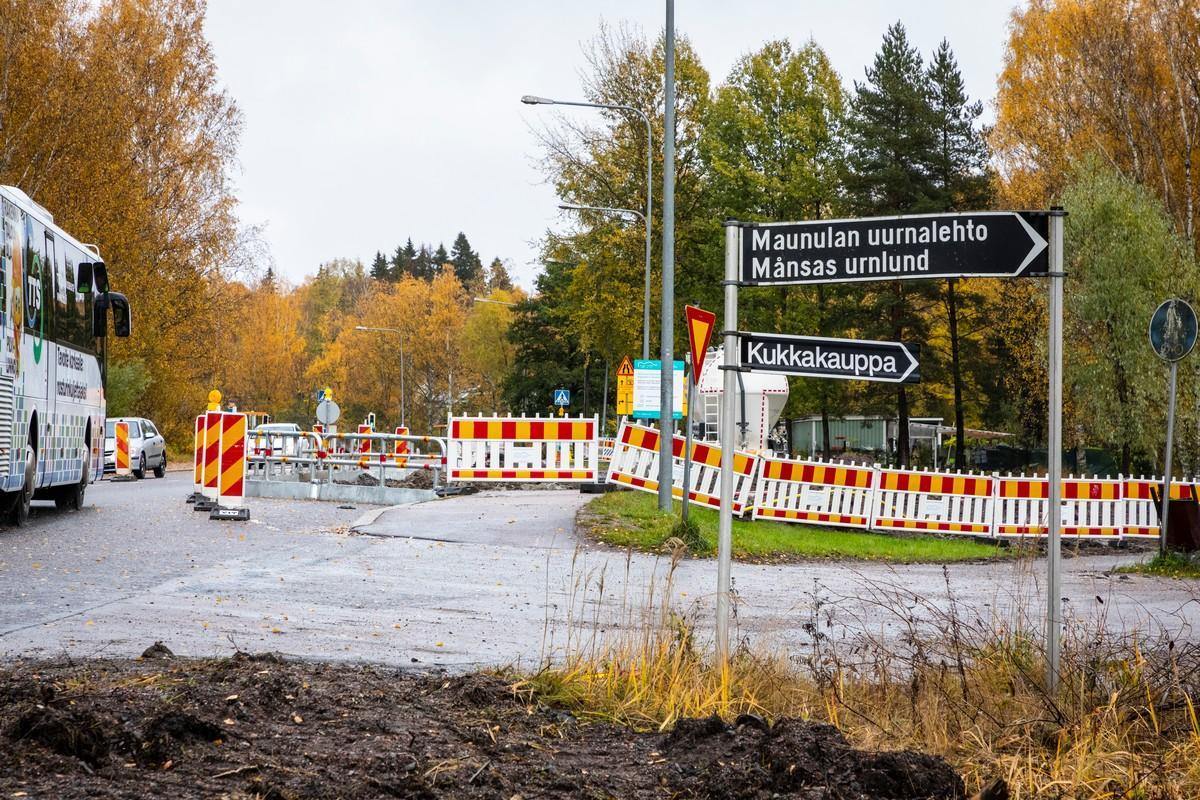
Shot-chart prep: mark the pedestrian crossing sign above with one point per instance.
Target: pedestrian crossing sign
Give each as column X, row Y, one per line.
column 562, row 397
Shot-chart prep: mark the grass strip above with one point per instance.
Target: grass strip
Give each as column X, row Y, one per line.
column 632, row 519
column 1168, row 565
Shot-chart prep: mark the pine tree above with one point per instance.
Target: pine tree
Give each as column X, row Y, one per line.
column 963, row 183
column 891, row 137
column 268, row 281
column 379, row 268
column 440, row 259
column 467, row 266
column 404, row 261
column 422, row 264
column 498, row 277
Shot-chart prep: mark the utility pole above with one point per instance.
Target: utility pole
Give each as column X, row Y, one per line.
column 666, row 407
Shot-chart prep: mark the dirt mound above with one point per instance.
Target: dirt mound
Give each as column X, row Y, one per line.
column 265, row 727
column 798, row 759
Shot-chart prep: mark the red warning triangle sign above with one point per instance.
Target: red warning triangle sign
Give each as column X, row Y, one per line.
column 700, row 324
column 626, row 367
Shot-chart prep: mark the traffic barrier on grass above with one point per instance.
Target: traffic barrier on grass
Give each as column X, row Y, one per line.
column 933, row 501
column 523, row 449
column 634, row 463
column 121, row 449
column 1091, row 507
column 814, row 491
column 1142, row 510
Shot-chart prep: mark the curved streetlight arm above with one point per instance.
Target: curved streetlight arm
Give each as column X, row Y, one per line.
column 534, row 100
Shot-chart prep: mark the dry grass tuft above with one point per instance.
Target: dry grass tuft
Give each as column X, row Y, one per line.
column 1123, row 723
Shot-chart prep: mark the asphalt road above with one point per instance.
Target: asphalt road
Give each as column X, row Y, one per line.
column 490, row 579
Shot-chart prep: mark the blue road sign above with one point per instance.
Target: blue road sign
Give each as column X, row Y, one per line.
column 562, row 397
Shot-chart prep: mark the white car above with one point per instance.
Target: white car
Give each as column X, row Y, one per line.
column 147, row 448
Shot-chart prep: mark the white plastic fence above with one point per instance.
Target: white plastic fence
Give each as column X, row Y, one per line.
column 933, row 501
column 808, row 491
column 634, row 463
column 538, row 449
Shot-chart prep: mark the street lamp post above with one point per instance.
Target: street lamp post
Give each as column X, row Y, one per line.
column 646, row 306
column 399, row 333
column 533, row 100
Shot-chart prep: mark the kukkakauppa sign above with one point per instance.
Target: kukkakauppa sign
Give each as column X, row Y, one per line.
column 981, row 244
column 822, row 357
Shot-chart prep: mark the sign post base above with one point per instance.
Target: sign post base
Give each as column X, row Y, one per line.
column 230, row 514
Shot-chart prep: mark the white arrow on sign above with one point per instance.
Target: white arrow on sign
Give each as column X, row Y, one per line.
column 823, row 357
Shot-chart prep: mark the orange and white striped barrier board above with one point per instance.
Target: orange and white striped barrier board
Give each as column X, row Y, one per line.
column 634, row 463
column 1091, row 507
column 400, row 448
column 364, row 445
column 522, row 449
column 212, row 455
column 198, row 455
column 933, row 501
column 121, row 448
column 1142, row 512
column 232, row 469
column 814, row 491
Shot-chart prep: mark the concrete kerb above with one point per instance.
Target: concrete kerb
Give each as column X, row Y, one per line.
column 338, row 492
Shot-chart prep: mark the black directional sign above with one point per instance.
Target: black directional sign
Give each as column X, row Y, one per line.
column 818, row 357
column 994, row 244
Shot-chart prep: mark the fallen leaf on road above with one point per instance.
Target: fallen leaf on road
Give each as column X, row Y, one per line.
column 296, row 718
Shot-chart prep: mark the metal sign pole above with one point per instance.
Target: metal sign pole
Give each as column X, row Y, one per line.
column 1166, row 490
column 1054, row 454
column 728, row 415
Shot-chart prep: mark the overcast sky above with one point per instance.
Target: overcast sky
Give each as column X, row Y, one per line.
column 369, row 121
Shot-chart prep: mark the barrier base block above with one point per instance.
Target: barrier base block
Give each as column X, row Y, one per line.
column 600, row 487
column 130, row 478
column 194, row 497
column 203, row 504
column 230, row 514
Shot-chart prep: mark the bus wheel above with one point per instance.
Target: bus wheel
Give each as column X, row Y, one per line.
column 71, row 497
column 19, row 516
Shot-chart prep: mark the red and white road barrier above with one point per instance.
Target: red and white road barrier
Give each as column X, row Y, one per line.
column 634, row 463
column 121, row 448
column 535, row 449
column 814, row 491
column 933, row 501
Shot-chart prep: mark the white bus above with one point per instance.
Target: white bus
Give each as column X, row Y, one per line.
column 54, row 304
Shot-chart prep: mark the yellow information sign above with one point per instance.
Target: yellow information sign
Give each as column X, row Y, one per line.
column 625, row 388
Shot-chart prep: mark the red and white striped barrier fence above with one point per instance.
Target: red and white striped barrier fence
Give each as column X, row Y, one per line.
column 562, row 449
column 933, row 501
column 814, row 491
column 1091, row 507
column 1141, row 510
column 634, row 463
